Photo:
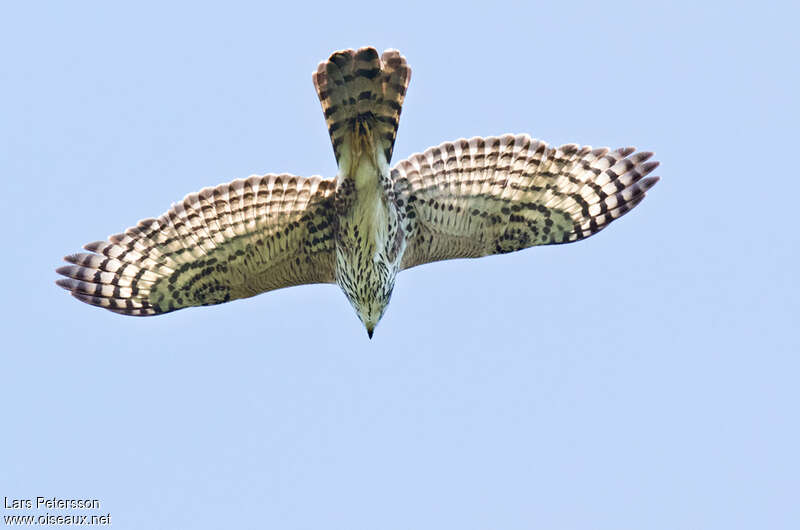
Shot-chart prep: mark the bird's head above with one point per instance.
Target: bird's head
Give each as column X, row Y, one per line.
column 370, row 304
column 368, row 285
column 370, row 311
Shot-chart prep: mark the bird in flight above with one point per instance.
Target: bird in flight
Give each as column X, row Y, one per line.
column 461, row 199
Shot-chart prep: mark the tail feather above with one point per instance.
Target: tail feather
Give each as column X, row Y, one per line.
column 362, row 97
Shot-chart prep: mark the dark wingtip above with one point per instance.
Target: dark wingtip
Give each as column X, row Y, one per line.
column 650, row 166
column 649, row 182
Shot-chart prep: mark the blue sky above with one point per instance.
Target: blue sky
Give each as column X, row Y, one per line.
column 643, row 378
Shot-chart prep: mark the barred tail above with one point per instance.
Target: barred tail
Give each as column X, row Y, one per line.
column 362, row 96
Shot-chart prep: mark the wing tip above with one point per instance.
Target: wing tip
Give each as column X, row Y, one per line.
column 649, row 182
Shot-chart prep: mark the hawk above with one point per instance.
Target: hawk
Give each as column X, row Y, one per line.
column 461, row 199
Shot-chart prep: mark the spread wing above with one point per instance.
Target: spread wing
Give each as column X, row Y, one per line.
column 472, row 198
column 232, row 241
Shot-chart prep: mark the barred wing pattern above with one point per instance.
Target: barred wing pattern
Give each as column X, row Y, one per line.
column 472, row 198
column 232, row 241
